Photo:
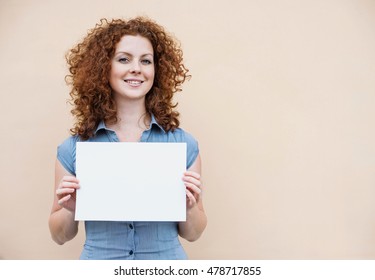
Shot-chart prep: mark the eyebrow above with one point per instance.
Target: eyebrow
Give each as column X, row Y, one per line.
column 126, row 53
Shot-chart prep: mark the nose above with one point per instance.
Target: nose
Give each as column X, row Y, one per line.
column 135, row 67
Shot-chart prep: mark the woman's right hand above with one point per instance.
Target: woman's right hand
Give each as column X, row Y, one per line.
column 66, row 192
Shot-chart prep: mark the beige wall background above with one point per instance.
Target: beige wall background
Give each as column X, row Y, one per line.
column 282, row 102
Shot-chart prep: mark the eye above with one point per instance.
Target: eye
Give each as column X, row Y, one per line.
column 123, row 60
column 146, row 61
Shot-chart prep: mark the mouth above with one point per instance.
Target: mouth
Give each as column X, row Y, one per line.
column 133, row 82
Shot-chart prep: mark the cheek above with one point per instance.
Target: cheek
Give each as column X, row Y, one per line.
column 112, row 74
column 150, row 72
column 114, row 77
column 111, row 80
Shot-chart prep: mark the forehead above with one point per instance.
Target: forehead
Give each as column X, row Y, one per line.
column 134, row 44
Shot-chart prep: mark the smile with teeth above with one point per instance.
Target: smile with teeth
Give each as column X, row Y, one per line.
column 134, row 82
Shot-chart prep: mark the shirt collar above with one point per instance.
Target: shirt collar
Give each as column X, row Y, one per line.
column 152, row 123
column 100, row 126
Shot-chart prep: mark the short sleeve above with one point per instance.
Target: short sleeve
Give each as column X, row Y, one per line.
column 66, row 154
column 192, row 149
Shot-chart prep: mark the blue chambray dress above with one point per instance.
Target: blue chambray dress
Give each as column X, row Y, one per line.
column 131, row 240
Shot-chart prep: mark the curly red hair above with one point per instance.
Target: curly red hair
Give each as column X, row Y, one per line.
column 90, row 63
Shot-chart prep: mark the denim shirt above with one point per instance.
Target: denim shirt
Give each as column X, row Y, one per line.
column 131, row 239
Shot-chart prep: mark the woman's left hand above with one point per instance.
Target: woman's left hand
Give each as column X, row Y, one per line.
column 193, row 185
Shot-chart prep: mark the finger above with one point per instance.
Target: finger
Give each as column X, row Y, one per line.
column 193, row 174
column 191, row 197
column 68, row 178
column 69, row 185
column 64, row 199
column 193, row 188
column 64, row 191
column 192, row 180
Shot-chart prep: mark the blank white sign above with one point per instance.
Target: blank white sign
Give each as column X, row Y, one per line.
column 130, row 181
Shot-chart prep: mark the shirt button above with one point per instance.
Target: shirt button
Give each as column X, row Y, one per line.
column 131, row 226
column 131, row 252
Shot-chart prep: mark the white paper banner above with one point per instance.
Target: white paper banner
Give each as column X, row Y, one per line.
column 131, row 181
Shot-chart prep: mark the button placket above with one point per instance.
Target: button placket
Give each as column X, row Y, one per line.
column 131, row 234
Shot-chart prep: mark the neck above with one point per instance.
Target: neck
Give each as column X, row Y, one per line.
column 132, row 114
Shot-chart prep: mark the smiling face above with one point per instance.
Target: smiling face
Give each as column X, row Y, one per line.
column 132, row 68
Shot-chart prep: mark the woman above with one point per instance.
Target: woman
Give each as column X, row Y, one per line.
column 123, row 77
